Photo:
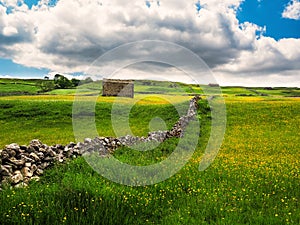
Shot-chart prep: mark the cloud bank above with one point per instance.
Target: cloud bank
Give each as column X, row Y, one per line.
column 69, row 35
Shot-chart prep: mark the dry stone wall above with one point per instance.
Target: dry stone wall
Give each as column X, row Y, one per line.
column 20, row 164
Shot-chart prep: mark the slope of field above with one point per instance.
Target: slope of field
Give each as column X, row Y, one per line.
column 33, row 86
column 18, row 86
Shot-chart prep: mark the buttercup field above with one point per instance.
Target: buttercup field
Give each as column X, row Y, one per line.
column 253, row 180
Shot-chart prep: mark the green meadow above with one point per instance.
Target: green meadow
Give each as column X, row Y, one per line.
column 255, row 178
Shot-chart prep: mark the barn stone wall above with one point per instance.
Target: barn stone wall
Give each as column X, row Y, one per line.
column 121, row 88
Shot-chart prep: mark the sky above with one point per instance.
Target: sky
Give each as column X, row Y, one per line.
column 242, row 42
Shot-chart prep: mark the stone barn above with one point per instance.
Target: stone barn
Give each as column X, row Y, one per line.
column 121, row 88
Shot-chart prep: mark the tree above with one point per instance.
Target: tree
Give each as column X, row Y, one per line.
column 47, row 85
column 57, row 76
column 62, row 82
column 75, row 82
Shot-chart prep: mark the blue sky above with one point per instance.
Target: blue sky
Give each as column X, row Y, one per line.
column 268, row 13
column 48, row 37
column 30, row 3
column 17, row 70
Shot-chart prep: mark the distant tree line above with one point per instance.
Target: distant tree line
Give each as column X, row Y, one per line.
column 62, row 82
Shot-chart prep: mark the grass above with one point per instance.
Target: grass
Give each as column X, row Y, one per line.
column 27, row 120
column 18, row 87
column 10, row 87
column 51, row 120
column 254, row 179
column 258, row 91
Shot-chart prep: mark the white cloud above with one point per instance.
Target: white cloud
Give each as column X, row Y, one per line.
column 9, row 31
column 268, row 56
column 292, row 10
column 69, row 36
column 70, row 77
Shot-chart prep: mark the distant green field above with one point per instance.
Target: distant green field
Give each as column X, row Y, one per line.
column 258, row 91
column 20, row 87
column 253, row 180
column 15, row 87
